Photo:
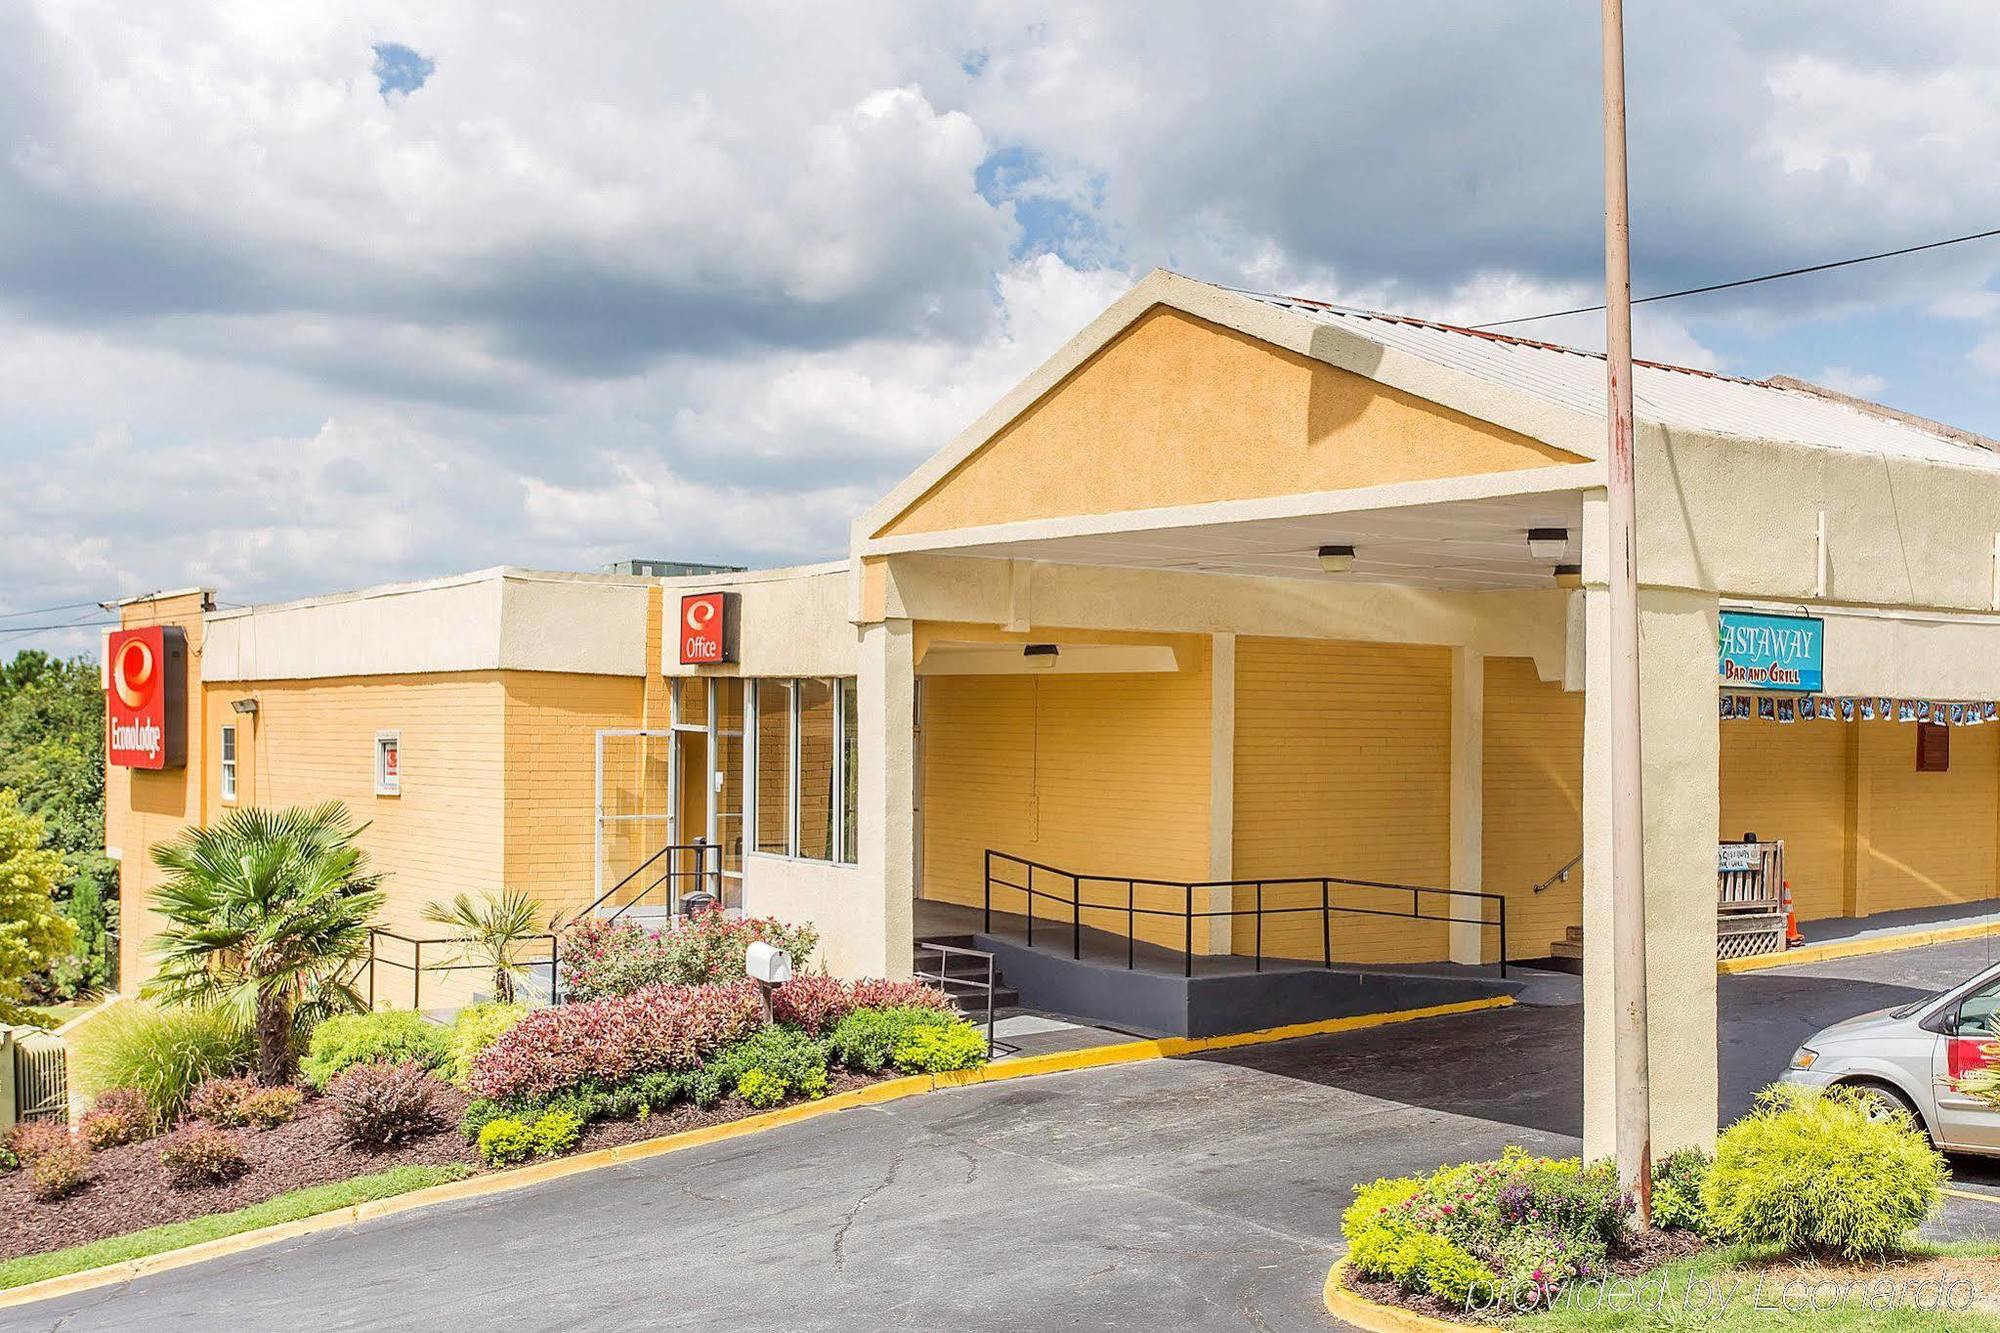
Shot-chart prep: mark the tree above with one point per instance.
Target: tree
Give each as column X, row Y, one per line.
column 33, row 932
column 267, row 917
column 494, row 931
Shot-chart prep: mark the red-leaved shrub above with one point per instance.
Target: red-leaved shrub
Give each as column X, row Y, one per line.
column 220, row 1100
column 380, row 1103
column 816, row 1003
column 30, row 1139
column 655, row 1028
column 58, row 1170
column 121, row 1115
column 200, row 1154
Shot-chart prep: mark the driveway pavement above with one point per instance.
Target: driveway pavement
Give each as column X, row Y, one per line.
column 1197, row 1193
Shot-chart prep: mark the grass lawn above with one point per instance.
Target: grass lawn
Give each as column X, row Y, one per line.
column 1719, row 1290
column 174, row 1235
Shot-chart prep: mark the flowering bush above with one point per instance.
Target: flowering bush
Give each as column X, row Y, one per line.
column 119, row 1115
column 817, row 1003
column 200, row 1154
column 658, row 1027
column 59, row 1170
column 380, row 1104
column 603, row 958
column 1524, row 1225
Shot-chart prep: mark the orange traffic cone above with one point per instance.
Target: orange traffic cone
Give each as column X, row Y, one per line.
column 1792, row 937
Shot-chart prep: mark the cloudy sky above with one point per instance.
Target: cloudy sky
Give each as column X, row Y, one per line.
column 298, row 297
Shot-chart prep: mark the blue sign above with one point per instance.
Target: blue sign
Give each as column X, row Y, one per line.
column 1760, row 652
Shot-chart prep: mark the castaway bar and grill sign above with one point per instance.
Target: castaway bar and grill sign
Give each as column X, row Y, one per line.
column 1764, row 652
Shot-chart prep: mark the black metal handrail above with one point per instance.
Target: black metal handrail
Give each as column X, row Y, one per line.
column 1188, row 915
column 416, row 966
column 706, row 877
column 1561, row 875
column 944, row 981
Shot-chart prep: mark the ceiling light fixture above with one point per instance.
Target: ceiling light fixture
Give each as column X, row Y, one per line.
column 1569, row 576
column 1041, row 656
column 1548, row 543
column 1336, row 559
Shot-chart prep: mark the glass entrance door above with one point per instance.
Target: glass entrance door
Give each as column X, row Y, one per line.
column 707, row 780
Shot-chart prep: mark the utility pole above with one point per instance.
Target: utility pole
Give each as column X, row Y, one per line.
column 1632, row 1077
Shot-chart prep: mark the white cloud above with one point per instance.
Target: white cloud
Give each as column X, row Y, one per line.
column 1857, row 383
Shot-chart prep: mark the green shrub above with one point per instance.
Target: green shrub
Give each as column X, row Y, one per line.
column 200, row 1154
column 867, row 1038
column 268, row 1108
column 1810, row 1171
column 505, row 1141
column 934, row 1049
column 555, row 1132
column 1431, row 1263
column 9, row 1161
column 476, row 1027
column 59, row 1172
column 785, row 1060
column 1376, row 1224
column 760, row 1089
column 165, row 1053
column 388, row 1036
column 1677, row 1191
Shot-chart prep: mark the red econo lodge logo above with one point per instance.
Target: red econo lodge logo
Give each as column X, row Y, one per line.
column 140, row 696
column 705, row 637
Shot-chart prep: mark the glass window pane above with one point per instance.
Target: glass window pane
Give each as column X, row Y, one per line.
column 774, row 766
column 816, row 795
column 729, row 705
column 691, row 703
column 850, row 750
column 729, row 800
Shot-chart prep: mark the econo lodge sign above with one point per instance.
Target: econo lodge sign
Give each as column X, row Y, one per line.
column 145, row 697
column 706, row 634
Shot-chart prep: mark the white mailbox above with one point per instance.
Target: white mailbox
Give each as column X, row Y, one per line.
column 768, row 963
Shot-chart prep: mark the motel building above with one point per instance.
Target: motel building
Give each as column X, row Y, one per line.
column 1250, row 656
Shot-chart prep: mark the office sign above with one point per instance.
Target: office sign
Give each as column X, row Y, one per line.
column 1760, row 652
column 707, row 634
column 145, row 697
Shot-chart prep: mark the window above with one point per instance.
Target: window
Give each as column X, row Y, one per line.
column 229, row 763
column 806, row 760
column 388, row 764
column 774, row 767
column 1933, row 748
column 1979, row 1012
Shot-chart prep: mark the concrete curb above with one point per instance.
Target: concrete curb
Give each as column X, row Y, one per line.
column 890, row 1090
column 1344, row 1304
column 1823, row 953
column 1991, row 1200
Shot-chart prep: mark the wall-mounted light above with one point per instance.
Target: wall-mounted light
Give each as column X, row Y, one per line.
column 1569, row 576
column 245, row 706
column 1041, row 656
column 1336, row 559
column 1548, row 543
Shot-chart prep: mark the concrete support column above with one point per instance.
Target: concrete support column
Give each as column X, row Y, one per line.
column 882, row 912
column 1470, row 942
column 1219, row 936
column 1681, row 756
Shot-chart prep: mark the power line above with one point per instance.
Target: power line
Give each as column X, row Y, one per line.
column 1747, row 282
column 44, row 610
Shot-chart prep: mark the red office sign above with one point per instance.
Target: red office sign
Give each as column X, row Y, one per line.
column 145, row 697
column 706, row 634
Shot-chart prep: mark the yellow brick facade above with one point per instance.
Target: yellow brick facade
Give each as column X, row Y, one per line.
column 1531, row 813
column 1343, row 766
column 1095, row 774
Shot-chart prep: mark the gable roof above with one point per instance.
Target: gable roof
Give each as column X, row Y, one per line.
column 1781, row 409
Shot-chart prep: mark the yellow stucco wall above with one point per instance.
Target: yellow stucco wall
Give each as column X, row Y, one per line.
column 143, row 807
column 1864, row 831
column 1178, row 411
column 1343, row 766
column 1096, row 774
column 1532, row 807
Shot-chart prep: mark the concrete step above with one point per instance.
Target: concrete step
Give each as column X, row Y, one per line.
column 1573, row 934
column 1566, row 949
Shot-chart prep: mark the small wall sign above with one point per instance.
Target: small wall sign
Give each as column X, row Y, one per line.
column 707, row 631
column 1762, row 652
column 145, row 697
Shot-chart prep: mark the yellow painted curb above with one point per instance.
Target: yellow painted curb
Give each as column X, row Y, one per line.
column 520, row 1177
column 1992, row 1199
column 1823, row 953
column 1344, row 1304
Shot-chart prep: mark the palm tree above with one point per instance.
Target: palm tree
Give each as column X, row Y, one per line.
column 492, row 931
column 267, row 917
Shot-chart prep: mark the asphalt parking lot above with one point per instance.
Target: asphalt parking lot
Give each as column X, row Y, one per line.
column 1195, row 1193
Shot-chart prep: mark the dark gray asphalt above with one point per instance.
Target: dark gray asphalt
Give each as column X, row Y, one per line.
column 1199, row 1193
